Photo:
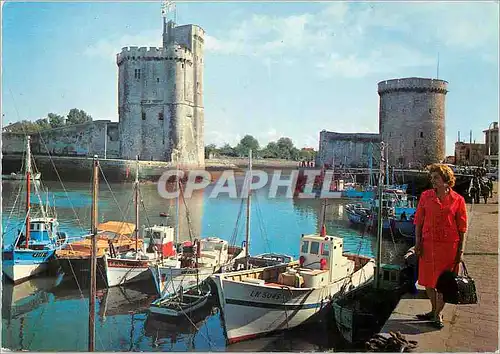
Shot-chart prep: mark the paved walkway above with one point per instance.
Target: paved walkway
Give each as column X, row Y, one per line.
column 468, row 328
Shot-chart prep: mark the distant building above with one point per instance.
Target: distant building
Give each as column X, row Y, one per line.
column 467, row 154
column 349, row 149
column 491, row 151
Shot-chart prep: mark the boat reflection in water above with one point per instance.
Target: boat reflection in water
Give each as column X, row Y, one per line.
column 18, row 301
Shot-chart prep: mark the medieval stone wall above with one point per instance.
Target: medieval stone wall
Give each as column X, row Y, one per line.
column 412, row 120
column 86, row 139
column 350, row 149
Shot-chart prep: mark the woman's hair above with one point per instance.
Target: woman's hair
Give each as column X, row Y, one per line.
column 444, row 171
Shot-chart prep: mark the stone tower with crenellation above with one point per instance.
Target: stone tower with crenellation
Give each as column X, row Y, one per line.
column 412, row 120
column 160, row 98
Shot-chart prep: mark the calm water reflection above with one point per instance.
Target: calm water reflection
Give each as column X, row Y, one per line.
column 47, row 315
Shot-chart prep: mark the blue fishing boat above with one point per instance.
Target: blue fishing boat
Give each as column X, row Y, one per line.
column 37, row 239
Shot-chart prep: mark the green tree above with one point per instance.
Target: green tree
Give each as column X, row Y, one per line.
column 43, row 124
column 270, row 151
column 210, row 149
column 78, row 116
column 55, row 120
column 286, row 149
column 227, row 150
column 248, row 142
column 307, row 155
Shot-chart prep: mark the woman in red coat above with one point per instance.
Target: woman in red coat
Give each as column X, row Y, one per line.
column 440, row 226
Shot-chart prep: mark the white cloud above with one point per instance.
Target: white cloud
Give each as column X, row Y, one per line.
column 359, row 39
column 108, row 48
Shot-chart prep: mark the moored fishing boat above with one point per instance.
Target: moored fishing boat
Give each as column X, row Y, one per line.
column 32, row 250
column 263, row 300
column 133, row 265
column 198, row 260
column 74, row 258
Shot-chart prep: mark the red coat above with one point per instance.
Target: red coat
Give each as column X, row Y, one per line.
column 441, row 222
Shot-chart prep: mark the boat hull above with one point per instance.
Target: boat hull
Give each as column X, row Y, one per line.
column 121, row 271
column 78, row 269
column 20, row 265
column 252, row 310
column 179, row 312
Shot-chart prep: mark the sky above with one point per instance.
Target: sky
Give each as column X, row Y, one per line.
column 271, row 69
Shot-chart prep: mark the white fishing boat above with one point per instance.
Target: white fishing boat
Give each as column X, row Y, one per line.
column 157, row 247
column 258, row 301
column 198, row 261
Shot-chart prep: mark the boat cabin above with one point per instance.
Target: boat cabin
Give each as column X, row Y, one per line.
column 213, row 250
column 321, row 261
column 42, row 232
column 159, row 238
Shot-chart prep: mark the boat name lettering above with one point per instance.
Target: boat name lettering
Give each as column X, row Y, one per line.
column 39, row 254
column 265, row 295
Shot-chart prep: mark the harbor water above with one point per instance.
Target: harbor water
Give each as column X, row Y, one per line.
column 51, row 314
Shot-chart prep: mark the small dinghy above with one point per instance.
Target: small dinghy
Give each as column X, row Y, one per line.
column 184, row 302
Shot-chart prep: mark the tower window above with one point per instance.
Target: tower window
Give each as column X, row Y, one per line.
column 157, row 79
column 421, row 134
column 430, row 110
column 137, row 73
column 143, row 115
column 160, row 116
column 415, row 143
column 183, row 65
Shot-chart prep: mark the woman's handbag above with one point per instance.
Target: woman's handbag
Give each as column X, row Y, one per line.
column 457, row 289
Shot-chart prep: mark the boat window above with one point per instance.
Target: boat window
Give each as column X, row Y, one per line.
column 148, row 234
column 305, row 247
column 206, row 246
column 325, row 249
column 157, row 235
column 34, row 226
column 314, row 247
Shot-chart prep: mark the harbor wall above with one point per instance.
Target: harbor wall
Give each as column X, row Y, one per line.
column 86, row 139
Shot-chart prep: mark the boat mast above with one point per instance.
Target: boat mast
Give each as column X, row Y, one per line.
column 136, row 199
column 247, row 238
column 28, row 177
column 379, row 217
column 370, row 164
column 387, row 165
column 93, row 255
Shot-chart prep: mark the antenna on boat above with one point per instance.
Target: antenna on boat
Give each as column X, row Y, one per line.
column 247, row 238
column 136, row 199
column 379, row 216
column 28, row 177
column 93, row 255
